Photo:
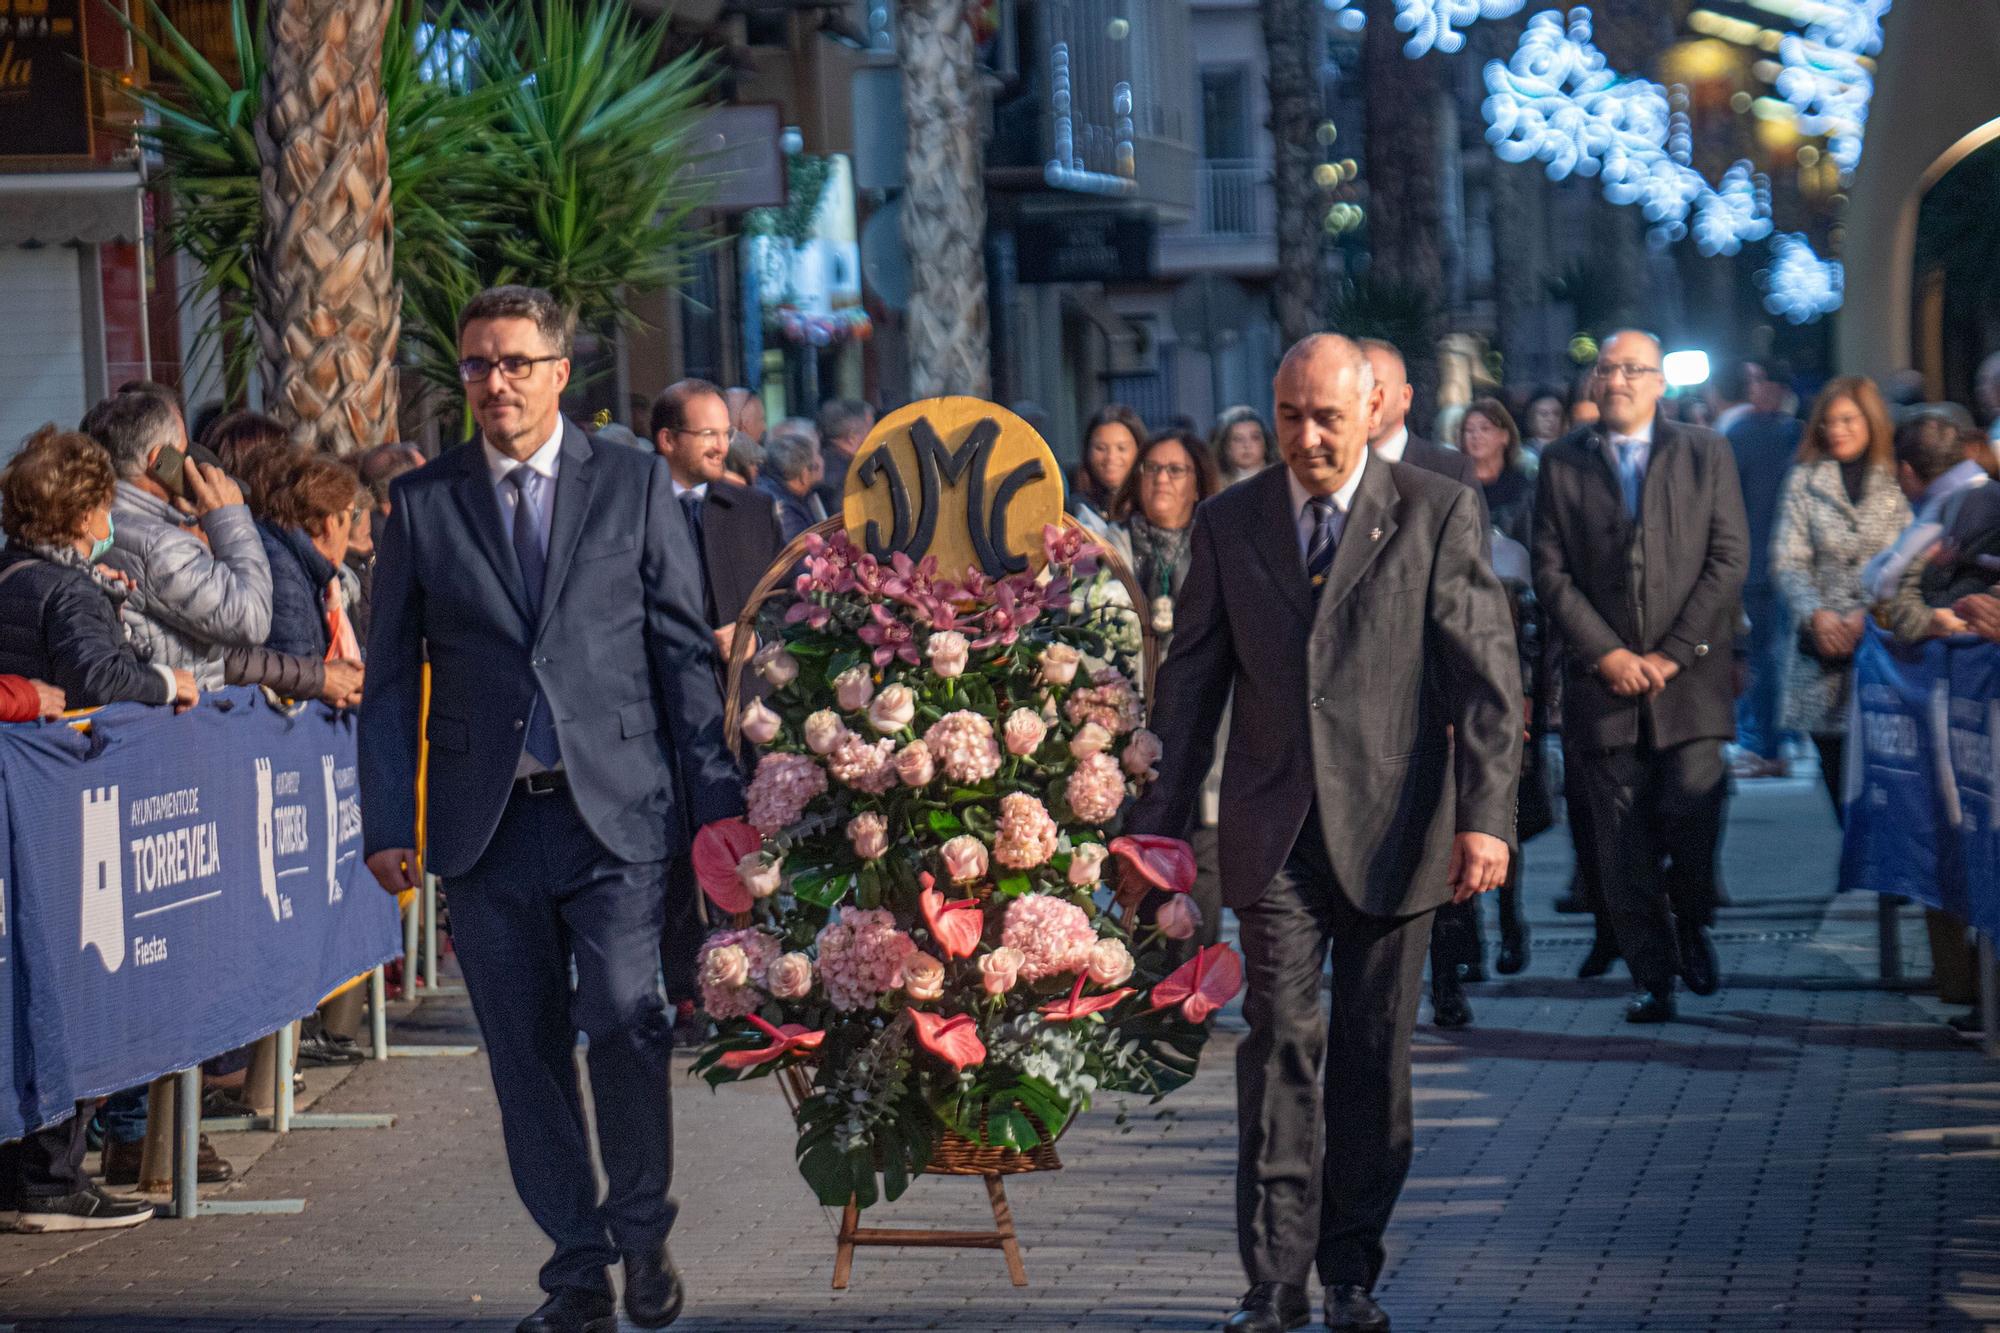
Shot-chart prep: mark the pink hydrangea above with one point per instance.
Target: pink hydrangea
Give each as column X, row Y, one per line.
column 1054, row 937
column 778, row 794
column 861, row 956
column 1027, row 836
column 963, row 745
column 863, row 766
column 734, row 967
column 1109, row 701
column 1096, row 789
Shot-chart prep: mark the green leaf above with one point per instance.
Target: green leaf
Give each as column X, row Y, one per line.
column 822, row 890
column 945, row 824
column 1013, row 886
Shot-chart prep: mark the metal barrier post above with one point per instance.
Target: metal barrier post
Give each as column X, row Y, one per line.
column 430, row 932
column 410, row 947
column 187, row 1142
column 281, row 1104
column 378, row 1015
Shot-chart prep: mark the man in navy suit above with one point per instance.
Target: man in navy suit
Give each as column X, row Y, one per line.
column 553, row 587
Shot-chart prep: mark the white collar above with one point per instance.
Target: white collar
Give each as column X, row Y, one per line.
column 543, row 460
column 1643, row 435
column 1391, row 448
column 698, row 492
column 1343, row 499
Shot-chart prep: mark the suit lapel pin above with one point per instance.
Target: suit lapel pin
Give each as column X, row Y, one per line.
column 1375, row 535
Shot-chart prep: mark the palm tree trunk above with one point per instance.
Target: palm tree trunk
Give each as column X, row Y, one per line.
column 1405, row 201
column 944, row 205
column 328, row 306
column 1291, row 37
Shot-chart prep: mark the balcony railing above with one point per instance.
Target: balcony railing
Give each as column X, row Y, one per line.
column 1233, row 200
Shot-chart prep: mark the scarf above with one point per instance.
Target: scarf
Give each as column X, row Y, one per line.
column 1160, row 554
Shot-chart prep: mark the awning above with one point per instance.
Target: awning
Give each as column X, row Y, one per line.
column 69, row 207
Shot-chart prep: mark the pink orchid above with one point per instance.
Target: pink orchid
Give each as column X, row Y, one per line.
column 954, row 1040
column 791, row 1039
column 956, row 926
column 1164, row 863
column 1201, row 985
column 813, row 613
column 890, row 637
column 1076, row 1006
column 1010, row 613
column 718, row 849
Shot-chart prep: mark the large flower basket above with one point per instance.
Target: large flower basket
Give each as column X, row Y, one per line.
column 941, row 941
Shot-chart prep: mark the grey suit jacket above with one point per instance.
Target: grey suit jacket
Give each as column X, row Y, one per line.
column 1347, row 705
column 1674, row 585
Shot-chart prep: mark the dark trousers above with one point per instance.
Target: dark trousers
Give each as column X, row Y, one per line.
column 1768, row 648
column 47, row 1164
column 546, row 893
column 684, row 932
column 1656, row 817
column 1323, row 1092
column 1832, row 747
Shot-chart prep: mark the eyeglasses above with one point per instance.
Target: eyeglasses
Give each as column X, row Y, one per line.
column 1631, row 370
column 474, row 369
column 1171, row 471
column 704, row 437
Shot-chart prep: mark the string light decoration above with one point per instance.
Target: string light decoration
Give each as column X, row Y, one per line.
column 1433, row 25
column 1738, row 209
column 1800, row 286
column 1823, row 75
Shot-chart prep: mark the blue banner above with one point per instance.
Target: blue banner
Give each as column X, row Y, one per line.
column 1973, row 721
column 1901, row 824
column 178, row 887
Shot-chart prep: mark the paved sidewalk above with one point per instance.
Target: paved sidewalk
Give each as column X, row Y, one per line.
column 1804, row 1151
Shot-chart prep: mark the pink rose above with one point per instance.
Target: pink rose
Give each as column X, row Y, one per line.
column 923, row 977
column 964, row 859
column 760, row 725
column 760, row 878
column 1086, row 863
column 893, row 709
column 792, row 977
column 726, row 968
column 1110, row 963
column 1179, row 918
column 869, row 833
column 1024, row 732
column 1142, row 754
column 914, row 764
column 949, row 652
column 825, row 731
column 1090, row 739
column 776, row 665
column 1059, row 663
column 998, row 970
column 853, row 688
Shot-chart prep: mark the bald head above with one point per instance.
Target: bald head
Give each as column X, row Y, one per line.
column 1327, row 405
column 1394, row 377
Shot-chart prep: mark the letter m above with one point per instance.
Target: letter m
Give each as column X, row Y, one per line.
column 103, row 912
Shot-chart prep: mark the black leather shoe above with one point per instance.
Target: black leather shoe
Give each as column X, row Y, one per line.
column 1448, row 1006
column 1700, row 968
column 573, row 1310
column 1603, row 953
column 1650, row 1006
column 1350, row 1309
column 1270, row 1307
column 653, row 1291
column 1512, row 956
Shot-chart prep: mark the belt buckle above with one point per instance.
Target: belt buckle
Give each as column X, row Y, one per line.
column 545, row 783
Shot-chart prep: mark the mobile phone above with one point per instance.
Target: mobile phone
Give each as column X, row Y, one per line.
column 168, row 469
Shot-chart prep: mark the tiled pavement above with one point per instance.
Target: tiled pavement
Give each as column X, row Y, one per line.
column 1804, row 1151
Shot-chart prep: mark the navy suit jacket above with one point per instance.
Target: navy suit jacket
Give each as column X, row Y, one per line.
column 620, row 649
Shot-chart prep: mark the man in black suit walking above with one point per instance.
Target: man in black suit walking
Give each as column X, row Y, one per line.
column 575, row 734
column 1348, row 603
column 736, row 536
column 1640, row 550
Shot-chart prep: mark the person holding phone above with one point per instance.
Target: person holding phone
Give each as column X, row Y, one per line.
column 200, row 582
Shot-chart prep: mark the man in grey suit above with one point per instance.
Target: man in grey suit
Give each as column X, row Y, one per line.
column 1641, row 545
column 575, row 734
column 1348, row 603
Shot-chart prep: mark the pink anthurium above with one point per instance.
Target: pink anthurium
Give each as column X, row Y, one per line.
column 1201, row 985
column 1164, row 863
column 791, row 1039
column 718, row 849
column 956, row 926
column 1076, row 1006
column 954, row 1040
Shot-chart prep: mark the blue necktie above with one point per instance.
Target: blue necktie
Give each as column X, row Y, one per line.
column 1630, row 477
column 528, row 551
column 691, row 506
column 1319, row 551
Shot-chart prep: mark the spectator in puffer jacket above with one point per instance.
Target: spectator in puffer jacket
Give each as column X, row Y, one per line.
column 305, row 533
column 200, row 589
column 59, row 621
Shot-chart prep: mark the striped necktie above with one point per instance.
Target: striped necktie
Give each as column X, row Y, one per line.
column 1319, row 552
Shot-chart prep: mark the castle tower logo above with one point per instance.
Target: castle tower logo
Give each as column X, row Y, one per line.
column 267, row 838
column 103, row 911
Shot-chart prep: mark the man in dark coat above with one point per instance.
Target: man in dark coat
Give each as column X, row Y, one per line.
column 1374, row 749
column 1641, row 545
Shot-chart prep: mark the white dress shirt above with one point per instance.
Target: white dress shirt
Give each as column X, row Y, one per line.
column 1391, row 449
column 1343, row 499
column 698, row 492
column 544, row 463
column 1642, row 437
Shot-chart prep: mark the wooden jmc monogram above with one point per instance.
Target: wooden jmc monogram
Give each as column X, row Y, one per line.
column 959, row 478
